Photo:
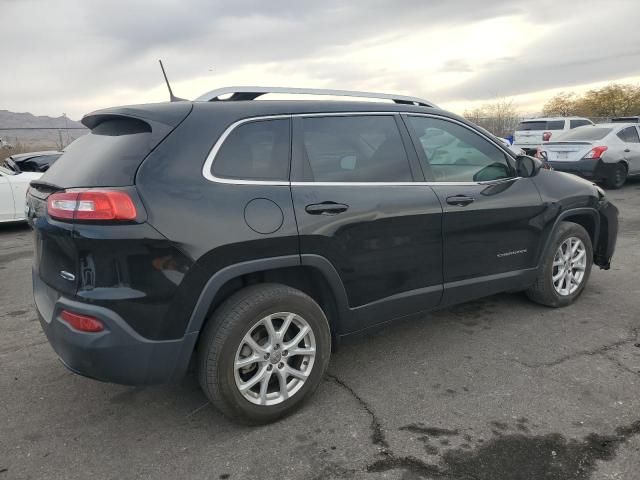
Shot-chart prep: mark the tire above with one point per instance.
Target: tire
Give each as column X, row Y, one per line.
column 225, row 340
column 544, row 291
column 617, row 176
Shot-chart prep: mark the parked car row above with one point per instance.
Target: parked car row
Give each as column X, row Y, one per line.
column 607, row 153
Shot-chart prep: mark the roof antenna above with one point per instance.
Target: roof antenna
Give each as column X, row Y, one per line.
column 172, row 97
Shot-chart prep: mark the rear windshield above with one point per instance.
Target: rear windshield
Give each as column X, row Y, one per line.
column 108, row 156
column 584, row 133
column 626, row 120
column 541, row 125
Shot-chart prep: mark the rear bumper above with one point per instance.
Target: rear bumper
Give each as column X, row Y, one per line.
column 595, row 170
column 118, row 354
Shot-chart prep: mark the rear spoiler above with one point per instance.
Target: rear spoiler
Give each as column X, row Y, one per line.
column 169, row 114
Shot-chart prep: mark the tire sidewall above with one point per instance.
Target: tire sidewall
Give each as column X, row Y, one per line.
column 566, row 230
column 612, row 181
column 225, row 357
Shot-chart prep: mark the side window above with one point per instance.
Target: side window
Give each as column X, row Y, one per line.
column 456, row 154
column 629, row 135
column 579, row 123
column 258, row 150
column 356, row 148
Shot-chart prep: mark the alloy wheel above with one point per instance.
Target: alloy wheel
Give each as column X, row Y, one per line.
column 569, row 265
column 274, row 358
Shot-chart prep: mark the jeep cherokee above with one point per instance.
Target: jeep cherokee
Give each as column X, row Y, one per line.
column 251, row 236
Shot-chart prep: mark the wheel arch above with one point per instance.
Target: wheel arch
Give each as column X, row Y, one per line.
column 312, row 274
column 588, row 218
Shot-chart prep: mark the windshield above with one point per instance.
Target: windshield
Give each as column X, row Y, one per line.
column 584, row 133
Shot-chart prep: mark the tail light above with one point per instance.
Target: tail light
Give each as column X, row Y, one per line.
column 596, row 152
column 84, row 323
column 546, row 136
column 92, row 205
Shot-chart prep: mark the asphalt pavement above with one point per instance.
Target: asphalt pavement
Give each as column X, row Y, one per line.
column 499, row 389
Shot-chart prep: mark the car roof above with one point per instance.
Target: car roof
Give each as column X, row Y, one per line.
column 314, row 106
column 230, row 111
column 539, row 119
column 616, row 125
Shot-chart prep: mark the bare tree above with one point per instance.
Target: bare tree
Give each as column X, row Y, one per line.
column 499, row 117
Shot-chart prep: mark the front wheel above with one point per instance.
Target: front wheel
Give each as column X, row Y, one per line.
column 263, row 352
column 565, row 270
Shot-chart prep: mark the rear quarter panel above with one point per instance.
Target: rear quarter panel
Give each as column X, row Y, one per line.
column 205, row 220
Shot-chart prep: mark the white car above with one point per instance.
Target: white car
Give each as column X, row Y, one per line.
column 13, row 190
column 607, row 152
column 530, row 134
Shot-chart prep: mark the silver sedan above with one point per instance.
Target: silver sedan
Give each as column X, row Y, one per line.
column 607, row 152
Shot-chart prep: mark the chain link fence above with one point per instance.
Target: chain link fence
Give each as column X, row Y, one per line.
column 14, row 140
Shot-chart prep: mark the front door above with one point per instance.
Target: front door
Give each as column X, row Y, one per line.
column 357, row 206
column 492, row 225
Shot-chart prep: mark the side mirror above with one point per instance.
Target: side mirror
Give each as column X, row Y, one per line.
column 527, row 166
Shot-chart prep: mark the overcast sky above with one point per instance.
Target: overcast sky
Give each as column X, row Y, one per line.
column 76, row 56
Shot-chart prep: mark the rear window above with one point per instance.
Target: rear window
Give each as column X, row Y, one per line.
column 625, row 120
column 257, row 150
column 584, row 133
column 107, row 156
column 541, row 125
column 629, row 135
column 361, row 148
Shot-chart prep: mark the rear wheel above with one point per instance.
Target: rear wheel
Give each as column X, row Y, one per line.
column 617, row 176
column 565, row 269
column 263, row 352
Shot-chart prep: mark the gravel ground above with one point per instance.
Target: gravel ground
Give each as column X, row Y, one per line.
column 493, row 389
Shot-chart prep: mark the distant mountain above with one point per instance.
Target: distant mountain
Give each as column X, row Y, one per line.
column 38, row 131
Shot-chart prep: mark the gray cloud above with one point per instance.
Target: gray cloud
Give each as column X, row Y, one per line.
column 57, row 55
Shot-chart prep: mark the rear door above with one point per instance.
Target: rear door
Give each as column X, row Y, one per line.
column 492, row 225
column 631, row 150
column 357, row 206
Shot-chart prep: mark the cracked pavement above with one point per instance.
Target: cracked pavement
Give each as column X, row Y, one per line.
column 493, row 389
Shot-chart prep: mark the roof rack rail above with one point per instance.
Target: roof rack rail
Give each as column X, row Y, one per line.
column 251, row 93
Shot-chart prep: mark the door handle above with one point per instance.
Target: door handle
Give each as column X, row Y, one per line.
column 326, row 208
column 626, row 150
column 460, row 200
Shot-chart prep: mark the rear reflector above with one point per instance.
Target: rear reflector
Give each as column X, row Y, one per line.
column 596, row 152
column 88, row 205
column 84, row 323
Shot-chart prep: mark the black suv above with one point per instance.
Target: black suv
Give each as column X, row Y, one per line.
column 251, row 236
